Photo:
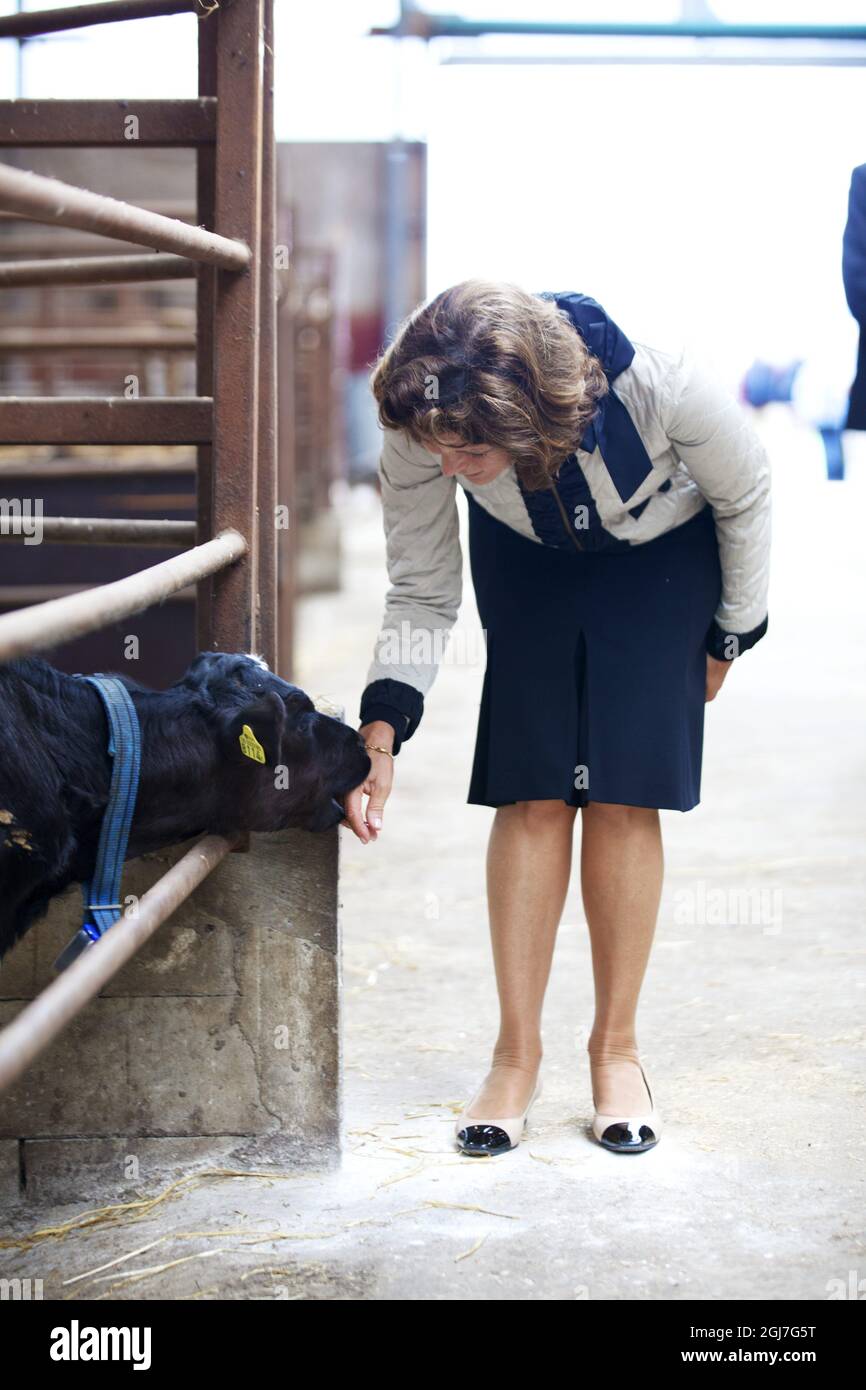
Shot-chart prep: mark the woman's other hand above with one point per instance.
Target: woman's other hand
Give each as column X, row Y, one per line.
column 377, row 787
column 716, row 672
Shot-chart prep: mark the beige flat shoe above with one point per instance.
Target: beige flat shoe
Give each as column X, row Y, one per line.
column 479, row 1137
column 628, row 1134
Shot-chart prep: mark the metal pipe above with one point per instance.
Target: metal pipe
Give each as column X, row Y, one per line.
column 60, row 620
column 97, row 530
column 145, row 337
column 417, row 24
column 34, row 470
column 48, row 200
column 240, row 60
column 35, row 22
column 266, row 482
column 60, row 123
column 821, row 58
column 15, row 596
column 181, row 208
column 94, row 270
column 39, row 1023
column 205, row 292
column 20, row 238
column 105, row 420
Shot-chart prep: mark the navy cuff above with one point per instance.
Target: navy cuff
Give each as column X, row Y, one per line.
column 725, row 646
column 395, row 703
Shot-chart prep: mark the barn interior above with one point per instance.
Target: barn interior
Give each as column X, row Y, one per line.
column 255, row 1103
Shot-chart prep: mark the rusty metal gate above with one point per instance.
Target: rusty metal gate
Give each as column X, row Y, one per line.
column 230, row 421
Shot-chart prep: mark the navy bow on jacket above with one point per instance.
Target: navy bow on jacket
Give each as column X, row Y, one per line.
column 612, row 429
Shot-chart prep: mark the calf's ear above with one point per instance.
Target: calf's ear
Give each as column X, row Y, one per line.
column 255, row 731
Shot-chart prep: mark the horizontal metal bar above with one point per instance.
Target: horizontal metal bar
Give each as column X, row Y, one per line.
column 40, row 1022
column 26, row 26
column 131, row 124
column 97, row 530
column 28, row 595
column 57, row 242
column 101, row 420
column 145, row 336
column 48, row 200
column 48, row 624
column 424, row 25
column 181, row 208
column 616, row 58
column 94, row 270
column 38, row 469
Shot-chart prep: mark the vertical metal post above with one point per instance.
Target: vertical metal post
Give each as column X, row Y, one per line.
column 267, row 451
column 240, row 56
column 288, row 540
column 205, row 293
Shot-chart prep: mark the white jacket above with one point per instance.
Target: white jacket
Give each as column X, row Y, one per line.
column 702, row 448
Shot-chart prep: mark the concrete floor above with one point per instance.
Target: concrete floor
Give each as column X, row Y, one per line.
column 751, row 1025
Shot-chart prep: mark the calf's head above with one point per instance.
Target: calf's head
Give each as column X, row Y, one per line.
column 280, row 763
column 228, row 747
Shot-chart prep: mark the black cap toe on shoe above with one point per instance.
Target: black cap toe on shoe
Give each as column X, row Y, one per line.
column 626, row 1139
column 479, row 1140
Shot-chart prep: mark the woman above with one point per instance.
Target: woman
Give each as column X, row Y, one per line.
column 619, row 534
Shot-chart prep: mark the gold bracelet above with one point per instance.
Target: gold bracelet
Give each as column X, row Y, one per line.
column 374, row 748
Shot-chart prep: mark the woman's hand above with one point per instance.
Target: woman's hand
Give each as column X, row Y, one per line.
column 716, row 672
column 377, row 786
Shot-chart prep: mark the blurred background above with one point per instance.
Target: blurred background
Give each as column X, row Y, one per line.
column 696, row 186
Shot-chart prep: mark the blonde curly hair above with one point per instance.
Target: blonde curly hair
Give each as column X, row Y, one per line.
column 493, row 364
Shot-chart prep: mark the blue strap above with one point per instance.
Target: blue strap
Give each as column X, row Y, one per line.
column 102, row 894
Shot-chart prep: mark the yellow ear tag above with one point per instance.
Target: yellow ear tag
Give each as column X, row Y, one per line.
column 250, row 745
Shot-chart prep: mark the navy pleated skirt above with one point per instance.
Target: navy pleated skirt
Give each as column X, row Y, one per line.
column 596, row 666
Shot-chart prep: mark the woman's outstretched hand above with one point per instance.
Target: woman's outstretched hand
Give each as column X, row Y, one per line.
column 366, row 825
column 716, row 672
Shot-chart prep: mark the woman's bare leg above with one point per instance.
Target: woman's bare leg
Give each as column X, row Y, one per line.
column 622, row 866
column 528, row 869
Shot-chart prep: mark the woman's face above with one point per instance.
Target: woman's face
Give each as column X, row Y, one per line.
column 480, row 463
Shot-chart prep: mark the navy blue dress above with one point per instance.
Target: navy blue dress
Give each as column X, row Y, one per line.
column 596, row 666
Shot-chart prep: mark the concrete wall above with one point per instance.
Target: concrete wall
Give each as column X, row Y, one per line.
column 221, row 1038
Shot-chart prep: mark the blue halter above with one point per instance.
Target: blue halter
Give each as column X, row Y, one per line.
column 101, row 894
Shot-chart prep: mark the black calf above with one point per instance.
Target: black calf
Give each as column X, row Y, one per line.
column 55, row 769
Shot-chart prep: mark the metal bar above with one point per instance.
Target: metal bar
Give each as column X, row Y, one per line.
column 180, row 208
column 146, row 337
column 287, row 549
column 417, row 24
column 49, row 200
column 240, row 52
column 40, row 1022
column 94, row 270
column 97, row 530
column 37, row 469
column 60, row 620
column 142, row 124
column 60, row 243
column 267, row 441
column 101, row 420
column 33, row 23
column 15, row 596
column 205, row 177
column 713, row 58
